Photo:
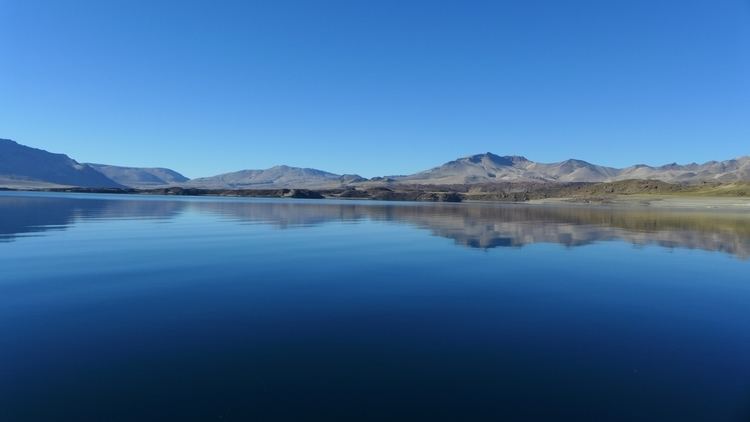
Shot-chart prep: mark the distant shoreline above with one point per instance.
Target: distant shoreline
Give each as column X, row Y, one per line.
column 644, row 195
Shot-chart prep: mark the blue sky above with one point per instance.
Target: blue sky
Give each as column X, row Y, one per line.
column 375, row 87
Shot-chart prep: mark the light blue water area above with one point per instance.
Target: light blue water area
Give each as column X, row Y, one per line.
column 120, row 307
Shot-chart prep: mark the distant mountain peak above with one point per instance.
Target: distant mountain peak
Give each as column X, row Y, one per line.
column 488, row 157
column 577, row 162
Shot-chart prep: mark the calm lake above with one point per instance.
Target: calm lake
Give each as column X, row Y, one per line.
column 120, row 307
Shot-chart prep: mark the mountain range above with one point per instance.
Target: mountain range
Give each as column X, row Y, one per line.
column 488, row 168
column 26, row 167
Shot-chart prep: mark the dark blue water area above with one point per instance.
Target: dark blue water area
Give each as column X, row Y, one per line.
column 135, row 308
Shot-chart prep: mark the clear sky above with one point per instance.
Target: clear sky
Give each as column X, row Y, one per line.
column 375, row 87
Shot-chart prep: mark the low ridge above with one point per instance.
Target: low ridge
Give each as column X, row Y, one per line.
column 137, row 177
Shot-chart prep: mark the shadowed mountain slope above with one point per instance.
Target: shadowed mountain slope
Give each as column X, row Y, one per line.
column 22, row 166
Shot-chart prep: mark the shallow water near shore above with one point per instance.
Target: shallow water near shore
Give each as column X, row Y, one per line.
column 124, row 307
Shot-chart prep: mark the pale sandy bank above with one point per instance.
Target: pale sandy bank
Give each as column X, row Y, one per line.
column 654, row 201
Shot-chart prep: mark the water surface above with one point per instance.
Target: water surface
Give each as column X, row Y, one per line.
column 118, row 307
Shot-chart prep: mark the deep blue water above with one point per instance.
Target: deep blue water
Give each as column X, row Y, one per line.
column 134, row 308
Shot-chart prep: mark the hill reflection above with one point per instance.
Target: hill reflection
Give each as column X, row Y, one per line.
column 471, row 225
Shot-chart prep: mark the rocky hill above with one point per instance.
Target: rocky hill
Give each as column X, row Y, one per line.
column 275, row 178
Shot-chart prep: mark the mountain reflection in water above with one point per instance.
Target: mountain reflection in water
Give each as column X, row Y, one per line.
column 473, row 225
